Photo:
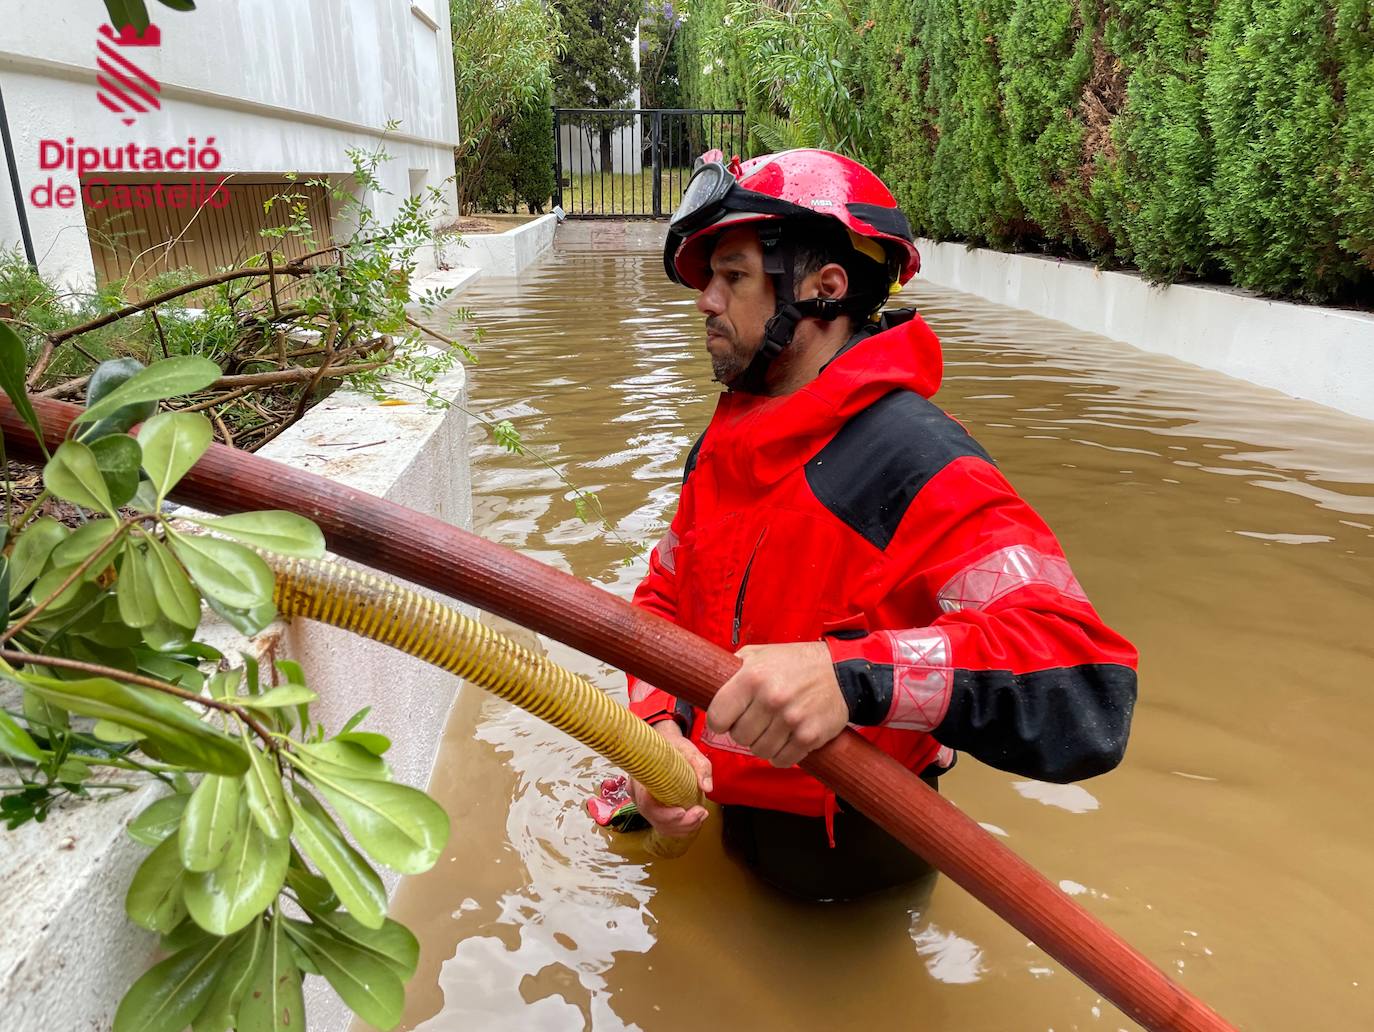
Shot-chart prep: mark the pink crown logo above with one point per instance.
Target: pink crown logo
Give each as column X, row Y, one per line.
column 124, row 87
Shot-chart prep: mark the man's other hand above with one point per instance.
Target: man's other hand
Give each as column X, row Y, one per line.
column 675, row 820
column 782, row 703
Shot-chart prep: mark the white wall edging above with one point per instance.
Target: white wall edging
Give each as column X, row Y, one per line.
column 499, row 254
column 1319, row 354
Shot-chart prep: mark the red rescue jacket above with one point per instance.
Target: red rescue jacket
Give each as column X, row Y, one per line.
column 856, row 512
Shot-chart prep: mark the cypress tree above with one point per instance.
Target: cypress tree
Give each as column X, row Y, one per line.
column 1156, row 186
column 971, row 189
column 1046, row 62
column 1273, row 212
column 531, row 148
column 1355, row 172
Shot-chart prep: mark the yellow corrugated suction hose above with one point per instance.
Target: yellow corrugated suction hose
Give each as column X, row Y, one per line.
column 439, row 634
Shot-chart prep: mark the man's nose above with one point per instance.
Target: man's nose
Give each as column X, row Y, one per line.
column 709, row 301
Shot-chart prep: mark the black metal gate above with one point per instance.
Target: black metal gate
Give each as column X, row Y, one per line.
column 634, row 162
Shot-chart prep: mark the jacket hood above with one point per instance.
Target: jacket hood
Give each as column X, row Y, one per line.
column 762, row 439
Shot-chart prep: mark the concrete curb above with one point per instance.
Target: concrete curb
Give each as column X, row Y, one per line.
column 499, row 254
column 1319, row 354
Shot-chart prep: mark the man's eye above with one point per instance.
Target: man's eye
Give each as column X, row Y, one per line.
column 734, row 276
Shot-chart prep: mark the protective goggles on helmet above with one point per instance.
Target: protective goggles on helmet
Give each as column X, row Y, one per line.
column 713, row 191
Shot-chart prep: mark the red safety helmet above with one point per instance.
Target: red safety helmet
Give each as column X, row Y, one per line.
column 787, row 185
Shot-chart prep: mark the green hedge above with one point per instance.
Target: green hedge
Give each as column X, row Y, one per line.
column 1220, row 139
column 521, row 168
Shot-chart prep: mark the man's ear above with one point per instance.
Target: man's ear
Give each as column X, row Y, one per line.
column 834, row 281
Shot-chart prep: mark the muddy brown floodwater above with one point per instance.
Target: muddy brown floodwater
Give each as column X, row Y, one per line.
column 1228, row 530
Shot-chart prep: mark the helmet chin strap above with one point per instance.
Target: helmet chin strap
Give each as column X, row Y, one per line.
column 787, row 316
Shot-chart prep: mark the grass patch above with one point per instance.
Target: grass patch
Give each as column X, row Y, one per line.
column 621, row 193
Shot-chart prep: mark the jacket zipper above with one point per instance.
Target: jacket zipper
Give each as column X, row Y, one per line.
column 743, row 586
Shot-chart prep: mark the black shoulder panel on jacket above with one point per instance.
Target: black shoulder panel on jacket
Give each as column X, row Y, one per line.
column 691, row 462
column 872, row 470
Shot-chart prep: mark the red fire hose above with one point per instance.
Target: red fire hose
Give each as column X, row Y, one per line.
column 439, row 556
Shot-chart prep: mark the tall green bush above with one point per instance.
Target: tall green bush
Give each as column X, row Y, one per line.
column 1273, row 211
column 1048, row 62
column 971, row 181
column 1355, row 172
column 1191, row 138
column 1155, row 191
column 531, row 146
column 501, row 61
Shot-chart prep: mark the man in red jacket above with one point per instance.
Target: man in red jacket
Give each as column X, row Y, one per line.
column 859, row 551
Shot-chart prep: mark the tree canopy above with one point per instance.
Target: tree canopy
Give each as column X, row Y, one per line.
column 597, row 69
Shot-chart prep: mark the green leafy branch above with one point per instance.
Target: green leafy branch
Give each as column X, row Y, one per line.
column 101, row 640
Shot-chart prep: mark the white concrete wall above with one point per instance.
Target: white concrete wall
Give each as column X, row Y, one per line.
column 500, row 254
column 67, row 950
column 281, row 85
column 1319, row 354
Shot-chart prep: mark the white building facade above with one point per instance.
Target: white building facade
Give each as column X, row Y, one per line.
column 257, row 88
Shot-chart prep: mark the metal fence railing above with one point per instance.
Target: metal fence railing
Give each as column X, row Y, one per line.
column 634, row 162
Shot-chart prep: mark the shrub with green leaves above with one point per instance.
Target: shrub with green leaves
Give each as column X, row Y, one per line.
column 1273, row 211
column 263, row 869
column 1191, row 138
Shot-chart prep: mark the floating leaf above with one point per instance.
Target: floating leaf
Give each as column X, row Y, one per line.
column 352, row 878
column 230, row 573
column 31, row 552
column 282, row 695
column 73, row 475
column 134, row 591
column 158, row 821
column 227, row 898
column 274, row 529
column 170, row 995
column 14, row 362
column 172, row 443
column 365, row 982
column 396, row 824
column 266, row 801
column 274, row 1002
column 118, row 458
column 178, row 600
column 176, row 732
column 210, row 822
column 16, row 742
column 166, row 379
column 154, row 898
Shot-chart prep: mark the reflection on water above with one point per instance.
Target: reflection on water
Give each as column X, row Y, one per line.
column 1227, row 530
